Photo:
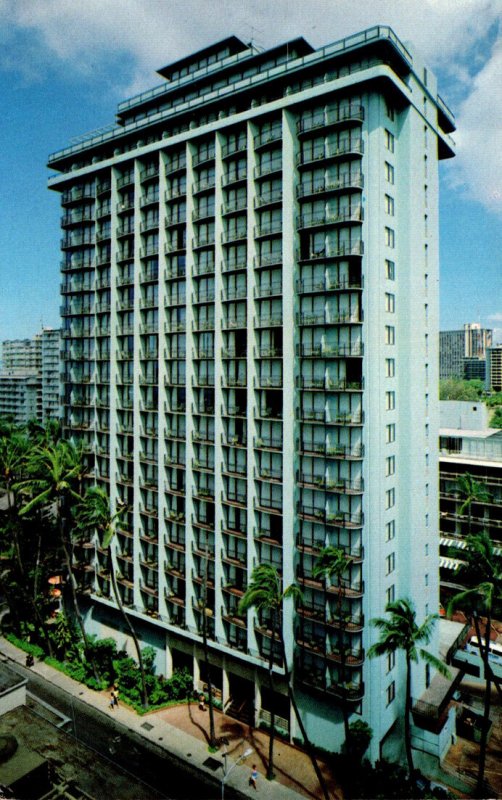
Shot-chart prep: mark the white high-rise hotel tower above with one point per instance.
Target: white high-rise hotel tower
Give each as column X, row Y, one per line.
column 250, row 319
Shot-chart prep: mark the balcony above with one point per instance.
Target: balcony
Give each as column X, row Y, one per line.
column 326, row 384
column 273, row 228
column 330, row 185
column 347, row 147
column 268, row 198
column 355, row 350
column 231, row 324
column 234, row 264
column 340, row 486
column 204, row 185
column 268, row 382
column 355, row 452
column 268, row 290
column 268, row 168
column 351, row 112
column 150, row 172
column 234, row 293
column 203, row 240
column 268, row 443
column 176, row 165
column 266, row 138
column 239, row 204
column 235, row 177
column 233, row 440
column 345, row 419
column 340, row 519
column 268, row 320
column 325, row 219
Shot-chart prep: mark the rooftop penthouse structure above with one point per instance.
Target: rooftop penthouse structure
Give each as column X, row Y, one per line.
column 250, row 325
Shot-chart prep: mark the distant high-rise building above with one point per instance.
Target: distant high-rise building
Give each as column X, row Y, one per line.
column 494, row 368
column 30, row 380
column 22, row 354
column 467, row 446
column 475, row 369
column 457, row 346
column 51, row 374
column 250, row 263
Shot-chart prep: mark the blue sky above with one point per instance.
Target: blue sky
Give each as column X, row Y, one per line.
column 64, row 66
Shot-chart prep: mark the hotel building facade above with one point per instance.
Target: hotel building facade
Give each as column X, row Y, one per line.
column 250, row 327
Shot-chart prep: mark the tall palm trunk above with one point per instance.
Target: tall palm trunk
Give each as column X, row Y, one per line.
column 343, row 665
column 22, row 574
column 129, row 624
column 484, row 653
column 270, row 767
column 306, row 739
column 407, row 714
column 212, row 730
column 68, row 557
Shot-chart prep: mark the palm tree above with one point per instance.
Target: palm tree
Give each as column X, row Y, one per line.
column 401, row 632
column 94, row 513
column 264, row 593
column 334, row 563
column 471, row 491
column 15, row 451
column 54, row 471
column 205, row 612
column 482, row 573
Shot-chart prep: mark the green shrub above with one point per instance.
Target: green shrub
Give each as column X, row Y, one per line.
column 27, row 647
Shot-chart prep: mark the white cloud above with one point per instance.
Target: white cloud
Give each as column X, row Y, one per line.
column 495, row 317
column 144, row 35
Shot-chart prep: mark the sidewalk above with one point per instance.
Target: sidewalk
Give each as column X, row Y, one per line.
column 183, row 732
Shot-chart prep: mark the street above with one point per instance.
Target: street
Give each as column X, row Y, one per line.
column 123, row 748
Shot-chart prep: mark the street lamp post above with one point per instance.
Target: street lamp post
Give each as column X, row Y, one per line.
column 227, row 772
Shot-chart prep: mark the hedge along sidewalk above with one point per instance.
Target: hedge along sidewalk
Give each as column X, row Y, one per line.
column 179, row 744
column 179, row 686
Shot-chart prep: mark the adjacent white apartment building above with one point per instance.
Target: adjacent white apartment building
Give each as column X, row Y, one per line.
column 250, row 324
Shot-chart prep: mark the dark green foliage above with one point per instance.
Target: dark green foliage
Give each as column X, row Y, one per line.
column 360, row 734
column 496, row 420
column 27, row 647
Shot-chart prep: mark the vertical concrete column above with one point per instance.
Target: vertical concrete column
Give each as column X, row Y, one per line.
column 191, row 622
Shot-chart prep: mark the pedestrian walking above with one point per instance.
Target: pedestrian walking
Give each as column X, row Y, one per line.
column 202, row 703
column 112, row 702
column 254, row 777
column 115, row 695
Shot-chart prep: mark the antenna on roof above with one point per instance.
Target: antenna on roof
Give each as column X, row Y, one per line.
column 253, row 31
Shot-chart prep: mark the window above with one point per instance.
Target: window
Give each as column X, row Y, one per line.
column 426, row 549
column 426, row 579
column 389, row 172
column 390, row 594
column 426, row 311
column 390, row 270
column 391, row 661
column 390, row 367
column 390, row 564
column 390, row 111
column 390, row 433
column 390, row 238
column 426, row 520
column 390, row 530
column 390, row 401
column 391, row 692
column 427, row 429
column 390, row 302
column 389, row 140
column 390, row 465
column 427, row 490
column 389, row 205
column 390, row 498
column 390, row 334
